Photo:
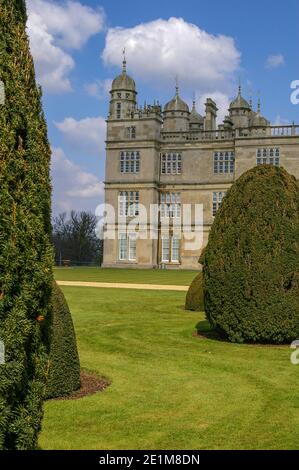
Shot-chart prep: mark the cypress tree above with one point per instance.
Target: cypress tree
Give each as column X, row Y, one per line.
column 25, row 250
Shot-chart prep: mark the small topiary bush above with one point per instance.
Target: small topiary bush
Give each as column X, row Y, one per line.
column 194, row 297
column 64, row 365
column 251, row 262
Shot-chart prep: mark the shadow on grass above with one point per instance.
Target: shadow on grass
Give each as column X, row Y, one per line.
column 205, row 330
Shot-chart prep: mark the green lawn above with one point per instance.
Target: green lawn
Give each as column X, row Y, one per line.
column 139, row 276
column 170, row 390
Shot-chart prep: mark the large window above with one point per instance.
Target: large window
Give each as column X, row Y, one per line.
column 165, row 249
column 175, row 249
column 224, row 162
column 170, row 205
column 131, row 132
column 129, row 162
column 269, row 156
column 171, row 164
column 127, row 247
column 170, row 249
column 122, row 245
column 217, row 200
column 128, row 203
column 118, row 110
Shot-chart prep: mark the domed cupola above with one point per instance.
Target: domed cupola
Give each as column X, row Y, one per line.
column 176, row 114
column 196, row 120
column 240, row 111
column 239, row 102
column 258, row 120
column 123, row 81
column 123, row 95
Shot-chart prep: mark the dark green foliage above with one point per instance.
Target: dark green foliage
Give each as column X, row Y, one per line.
column 194, row 297
column 251, row 263
column 64, row 365
column 25, row 251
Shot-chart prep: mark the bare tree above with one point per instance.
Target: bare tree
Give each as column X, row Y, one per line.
column 74, row 239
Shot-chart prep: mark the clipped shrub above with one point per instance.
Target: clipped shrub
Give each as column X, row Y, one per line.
column 26, row 256
column 64, row 365
column 194, row 298
column 251, row 262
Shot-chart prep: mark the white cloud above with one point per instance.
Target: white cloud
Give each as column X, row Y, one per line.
column 274, row 61
column 54, row 29
column 158, row 50
column 88, row 134
column 99, row 89
column 73, row 188
column 52, row 64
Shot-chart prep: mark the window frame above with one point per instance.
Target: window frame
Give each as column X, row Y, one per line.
column 224, row 162
column 268, row 156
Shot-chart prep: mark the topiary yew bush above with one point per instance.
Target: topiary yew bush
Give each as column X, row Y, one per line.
column 251, row 262
column 26, row 255
column 64, row 365
column 194, row 298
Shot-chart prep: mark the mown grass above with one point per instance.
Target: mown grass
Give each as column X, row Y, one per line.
column 170, row 389
column 138, row 276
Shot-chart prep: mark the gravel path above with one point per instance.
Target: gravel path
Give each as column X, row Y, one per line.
column 122, row 285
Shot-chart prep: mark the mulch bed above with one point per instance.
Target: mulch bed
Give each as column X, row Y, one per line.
column 90, row 384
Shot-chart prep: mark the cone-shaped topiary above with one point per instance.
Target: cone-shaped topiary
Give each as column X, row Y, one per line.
column 194, row 297
column 64, row 365
column 25, row 249
column 251, row 262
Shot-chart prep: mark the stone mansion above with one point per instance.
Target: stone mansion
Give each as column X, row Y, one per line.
column 174, row 156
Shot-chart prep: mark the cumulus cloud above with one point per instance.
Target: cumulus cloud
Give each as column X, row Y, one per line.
column 274, row 61
column 73, row 188
column 161, row 49
column 99, row 89
column 87, row 134
column 54, row 30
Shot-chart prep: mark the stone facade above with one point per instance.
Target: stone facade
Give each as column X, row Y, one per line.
column 155, row 156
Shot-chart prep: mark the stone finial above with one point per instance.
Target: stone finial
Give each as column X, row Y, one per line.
column 124, row 61
column 176, row 85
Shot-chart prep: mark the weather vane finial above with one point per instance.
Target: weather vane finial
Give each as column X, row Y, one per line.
column 259, row 102
column 124, row 60
column 177, row 85
column 240, row 86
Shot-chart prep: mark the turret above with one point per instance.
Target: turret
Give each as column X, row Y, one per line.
column 240, row 111
column 257, row 119
column 123, row 96
column 176, row 114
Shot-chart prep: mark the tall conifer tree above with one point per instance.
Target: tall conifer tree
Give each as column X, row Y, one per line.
column 25, row 249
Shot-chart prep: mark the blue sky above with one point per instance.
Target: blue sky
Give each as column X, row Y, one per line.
column 77, row 51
